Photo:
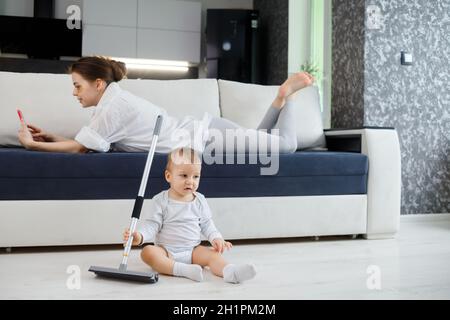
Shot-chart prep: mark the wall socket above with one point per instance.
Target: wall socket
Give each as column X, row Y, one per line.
column 406, row 58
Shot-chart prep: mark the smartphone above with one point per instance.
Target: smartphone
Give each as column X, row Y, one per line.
column 20, row 115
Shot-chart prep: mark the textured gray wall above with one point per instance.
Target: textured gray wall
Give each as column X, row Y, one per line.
column 347, row 92
column 274, row 24
column 370, row 87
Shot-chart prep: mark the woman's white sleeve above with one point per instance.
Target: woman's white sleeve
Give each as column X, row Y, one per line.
column 90, row 139
column 106, row 128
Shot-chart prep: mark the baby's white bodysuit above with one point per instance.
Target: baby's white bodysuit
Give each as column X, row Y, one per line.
column 177, row 224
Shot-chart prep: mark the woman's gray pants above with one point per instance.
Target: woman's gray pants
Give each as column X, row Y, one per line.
column 275, row 134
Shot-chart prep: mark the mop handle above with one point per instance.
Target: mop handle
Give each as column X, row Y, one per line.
column 140, row 198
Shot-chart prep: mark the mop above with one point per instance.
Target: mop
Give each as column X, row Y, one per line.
column 122, row 272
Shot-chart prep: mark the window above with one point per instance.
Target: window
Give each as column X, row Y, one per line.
column 321, row 52
column 310, row 41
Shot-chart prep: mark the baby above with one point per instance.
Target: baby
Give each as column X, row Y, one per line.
column 179, row 216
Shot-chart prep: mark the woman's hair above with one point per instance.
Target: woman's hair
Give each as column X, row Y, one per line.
column 97, row 67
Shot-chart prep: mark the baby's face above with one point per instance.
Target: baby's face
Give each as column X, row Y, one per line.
column 184, row 178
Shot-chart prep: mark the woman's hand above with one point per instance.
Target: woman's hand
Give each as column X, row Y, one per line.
column 25, row 136
column 40, row 135
column 220, row 245
column 137, row 237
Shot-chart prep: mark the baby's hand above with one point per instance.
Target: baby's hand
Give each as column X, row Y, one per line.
column 137, row 237
column 220, row 245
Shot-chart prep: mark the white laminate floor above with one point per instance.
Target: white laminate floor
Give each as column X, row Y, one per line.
column 415, row 265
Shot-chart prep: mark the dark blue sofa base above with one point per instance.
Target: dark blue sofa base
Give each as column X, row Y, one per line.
column 29, row 175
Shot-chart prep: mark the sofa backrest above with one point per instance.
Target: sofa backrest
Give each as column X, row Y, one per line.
column 179, row 98
column 246, row 104
column 47, row 102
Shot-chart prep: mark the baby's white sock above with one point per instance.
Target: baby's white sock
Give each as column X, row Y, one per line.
column 191, row 271
column 238, row 273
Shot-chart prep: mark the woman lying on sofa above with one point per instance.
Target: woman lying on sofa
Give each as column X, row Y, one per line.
column 124, row 122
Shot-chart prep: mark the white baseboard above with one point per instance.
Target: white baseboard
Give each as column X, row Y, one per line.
column 424, row 217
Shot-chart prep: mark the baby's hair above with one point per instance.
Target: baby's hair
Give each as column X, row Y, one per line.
column 182, row 156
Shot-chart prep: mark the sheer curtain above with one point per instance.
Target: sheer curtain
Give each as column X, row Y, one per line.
column 321, row 52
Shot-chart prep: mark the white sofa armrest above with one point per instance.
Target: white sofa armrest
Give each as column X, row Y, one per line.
column 381, row 145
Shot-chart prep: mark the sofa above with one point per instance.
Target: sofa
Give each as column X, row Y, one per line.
column 338, row 182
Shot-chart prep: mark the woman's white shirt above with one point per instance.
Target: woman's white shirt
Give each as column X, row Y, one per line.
column 125, row 122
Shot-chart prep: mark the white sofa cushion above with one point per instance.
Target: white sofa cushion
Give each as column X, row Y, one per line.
column 47, row 102
column 246, row 104
column 190, row 97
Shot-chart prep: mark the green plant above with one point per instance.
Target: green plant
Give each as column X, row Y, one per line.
column 311, row 68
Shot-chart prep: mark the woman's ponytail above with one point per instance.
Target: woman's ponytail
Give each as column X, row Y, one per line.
column 119, row 70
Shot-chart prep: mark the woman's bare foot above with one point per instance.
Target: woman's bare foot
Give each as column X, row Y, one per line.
column 294, row 83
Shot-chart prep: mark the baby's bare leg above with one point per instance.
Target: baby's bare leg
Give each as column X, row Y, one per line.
column 207, row 256
column 157, row 258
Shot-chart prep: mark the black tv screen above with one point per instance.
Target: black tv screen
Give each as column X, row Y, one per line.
column 42, row 38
